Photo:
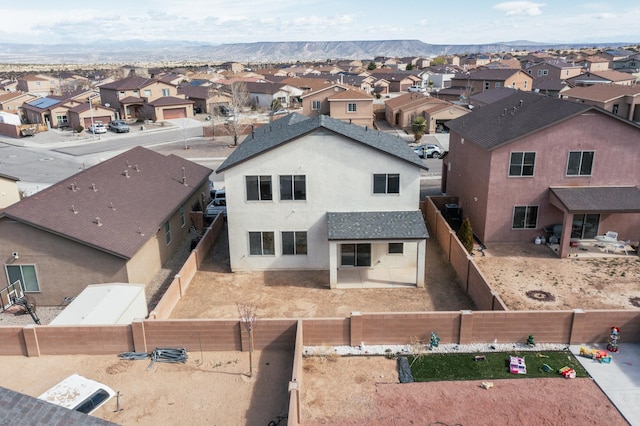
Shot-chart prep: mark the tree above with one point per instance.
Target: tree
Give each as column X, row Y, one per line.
column 465, row 235
column 249, row 320
column 418, row 127
column 409, row 67
column 440, row 60
column 372, row 66
column 239, row 99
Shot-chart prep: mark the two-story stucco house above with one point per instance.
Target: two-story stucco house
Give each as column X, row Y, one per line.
column 528, row 161
column 322, row 194
column 339, row 101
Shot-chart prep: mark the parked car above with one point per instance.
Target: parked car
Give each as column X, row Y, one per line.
column 428, row 151
column 197, row 110
column 97, row 128
column 283, row 111
column 217, row 205
column 415, row 89
column 225, row 111
column 119, row 126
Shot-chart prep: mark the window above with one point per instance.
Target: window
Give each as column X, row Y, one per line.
column 352, row 107
column 147, row 93
column 167, row 232
column 355, row 255
column 525, row 217
column 261, row 244
column 293, row 187
column 545, row 72
column 522, row 163
column 294, row 242
column 26, row 274
column 498, row 84
column 525, row 84
column 539, row 73
column 386, row 183
column 580, row 163
column 258, row 188
column 136, row 93
column 315, row 105
column 182, row 221
column 122, row 94
column 62, row 119
column 615, row 108
column 487, row 85
column 396, row 248
column 165, row 92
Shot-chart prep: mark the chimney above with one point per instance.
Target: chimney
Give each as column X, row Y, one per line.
column 184, row 177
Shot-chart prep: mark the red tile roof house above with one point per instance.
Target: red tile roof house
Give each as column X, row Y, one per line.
column 145, row 98
column 118, row 221
column 529, row 161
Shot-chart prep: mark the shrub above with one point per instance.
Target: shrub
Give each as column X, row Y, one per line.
column 79, row 128
column 465, row 234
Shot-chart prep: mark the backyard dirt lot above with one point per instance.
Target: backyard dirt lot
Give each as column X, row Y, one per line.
column 532, row 277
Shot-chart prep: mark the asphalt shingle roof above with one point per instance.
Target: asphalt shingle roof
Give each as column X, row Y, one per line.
column 514, row 117
column 296, row 125
column 135, row 193
column 376, row 225
column 590, row 199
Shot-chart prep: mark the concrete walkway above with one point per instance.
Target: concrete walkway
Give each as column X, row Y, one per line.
column 620, row 380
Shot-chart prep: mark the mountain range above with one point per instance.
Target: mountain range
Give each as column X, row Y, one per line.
column 139, row 51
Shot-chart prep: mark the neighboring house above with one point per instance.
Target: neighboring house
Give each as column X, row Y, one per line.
column 48, row 110
column 206, row 98
column 261, row 95
column 84, row 115
column 9, row 192
column 486, row 79
column 321, row 194
column 340, row 101
column 118, row 221
column 402, row 110
column 629, row 64
column 490, row 96
column 554, row 68
column 398, row 81
column 601, row 77
column 12, row 101
column 137, row 98
column 8, row 86
column 549, row 86
column 39, row 85
column 622, row 101
column 529, row 161
column 594, row 63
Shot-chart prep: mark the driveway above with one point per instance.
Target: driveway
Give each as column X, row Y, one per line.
column 306, row 294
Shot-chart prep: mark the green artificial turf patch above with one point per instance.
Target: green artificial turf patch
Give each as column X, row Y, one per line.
column 432, row 367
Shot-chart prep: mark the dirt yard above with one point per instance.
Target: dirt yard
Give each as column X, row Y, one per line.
column 368, row 393
column 532, row 277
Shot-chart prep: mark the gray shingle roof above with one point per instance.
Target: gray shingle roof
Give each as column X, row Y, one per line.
column 131, row 209
column 585, row 199
column 296, row 125
column 514, row 117
column 20, row 409
column 399, row 225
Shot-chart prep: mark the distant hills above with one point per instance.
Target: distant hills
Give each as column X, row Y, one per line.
column 139, row 51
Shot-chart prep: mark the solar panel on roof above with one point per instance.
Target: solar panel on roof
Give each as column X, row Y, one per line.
column 44, row 102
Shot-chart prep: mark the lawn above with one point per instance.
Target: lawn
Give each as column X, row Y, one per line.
column 495, row 365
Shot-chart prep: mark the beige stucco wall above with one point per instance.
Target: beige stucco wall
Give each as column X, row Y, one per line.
column 363, row 115
column 9, row 192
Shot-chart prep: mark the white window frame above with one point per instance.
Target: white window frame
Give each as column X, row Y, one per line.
column 581, row 165
column 316, row 105
column 22, row 280
column 522, row 164
column 525, row 222
column 183, row 222
column 388, row 177
column 297, row 249
column 259, row 181
column 391, row 252
column 166, row 92
column 147, row 93
column 295, row 182
column 167, row 232
column 263, row 234
column 352, row 107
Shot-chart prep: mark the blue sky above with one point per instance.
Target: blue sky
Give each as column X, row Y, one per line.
column 241, row 21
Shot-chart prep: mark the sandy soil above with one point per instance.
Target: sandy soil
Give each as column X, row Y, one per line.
column 368, row 393
column 211, row 388
column 582, row 281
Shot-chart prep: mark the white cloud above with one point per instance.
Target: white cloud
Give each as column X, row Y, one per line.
column 516, row 8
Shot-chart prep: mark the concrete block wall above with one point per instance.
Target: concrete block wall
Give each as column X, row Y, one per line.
column 327, row 332
column 87, row 340
column 295, row 385
column 12, row 339
column 272, row 334
column 194, row 335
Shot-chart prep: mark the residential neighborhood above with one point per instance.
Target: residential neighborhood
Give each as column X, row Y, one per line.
column 340, row 181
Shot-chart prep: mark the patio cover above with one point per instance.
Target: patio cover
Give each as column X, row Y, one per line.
column 395, row 225
column 601, row 199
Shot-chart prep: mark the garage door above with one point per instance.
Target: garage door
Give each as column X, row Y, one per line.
column 104, row 120
column 174, row 113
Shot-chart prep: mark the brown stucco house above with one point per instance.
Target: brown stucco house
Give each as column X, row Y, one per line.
column 623, row 101
column 9, row 192
column 118, row 221
column 139, row 98
column 528, row 161
column 11, row 102
column 341, row 102
column 402, row 110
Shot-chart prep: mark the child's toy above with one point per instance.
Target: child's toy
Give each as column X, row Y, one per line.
column 546, row 368
column 480, row 358
column 517, row 365
column 614, row 335
column 487, row 385
column 531, row 341
column 567, row 372
column 435, row 340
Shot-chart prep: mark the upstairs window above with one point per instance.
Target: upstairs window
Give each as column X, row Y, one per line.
column 522, row 163
column 147, row 93
column 315, row 105
column 352, row 107
column 259, row 188
column 165, row 92
column 167, row 232
column 580, row 163
column 293, row 187
column 387, row 183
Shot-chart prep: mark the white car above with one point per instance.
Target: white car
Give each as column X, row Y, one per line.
column 428, row 151
column 415, row 89
column 97, row 128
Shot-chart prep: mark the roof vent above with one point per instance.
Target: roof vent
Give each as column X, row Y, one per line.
column 184, row 177
column 93, row 187
column 126, row 173
column 136, row 168
column 111, row 206
column 140, row 232
column 73, row 209
column 521, row 102
column 74, row 186
column 98, row 221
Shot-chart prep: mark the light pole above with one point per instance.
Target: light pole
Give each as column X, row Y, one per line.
column 93, row 128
